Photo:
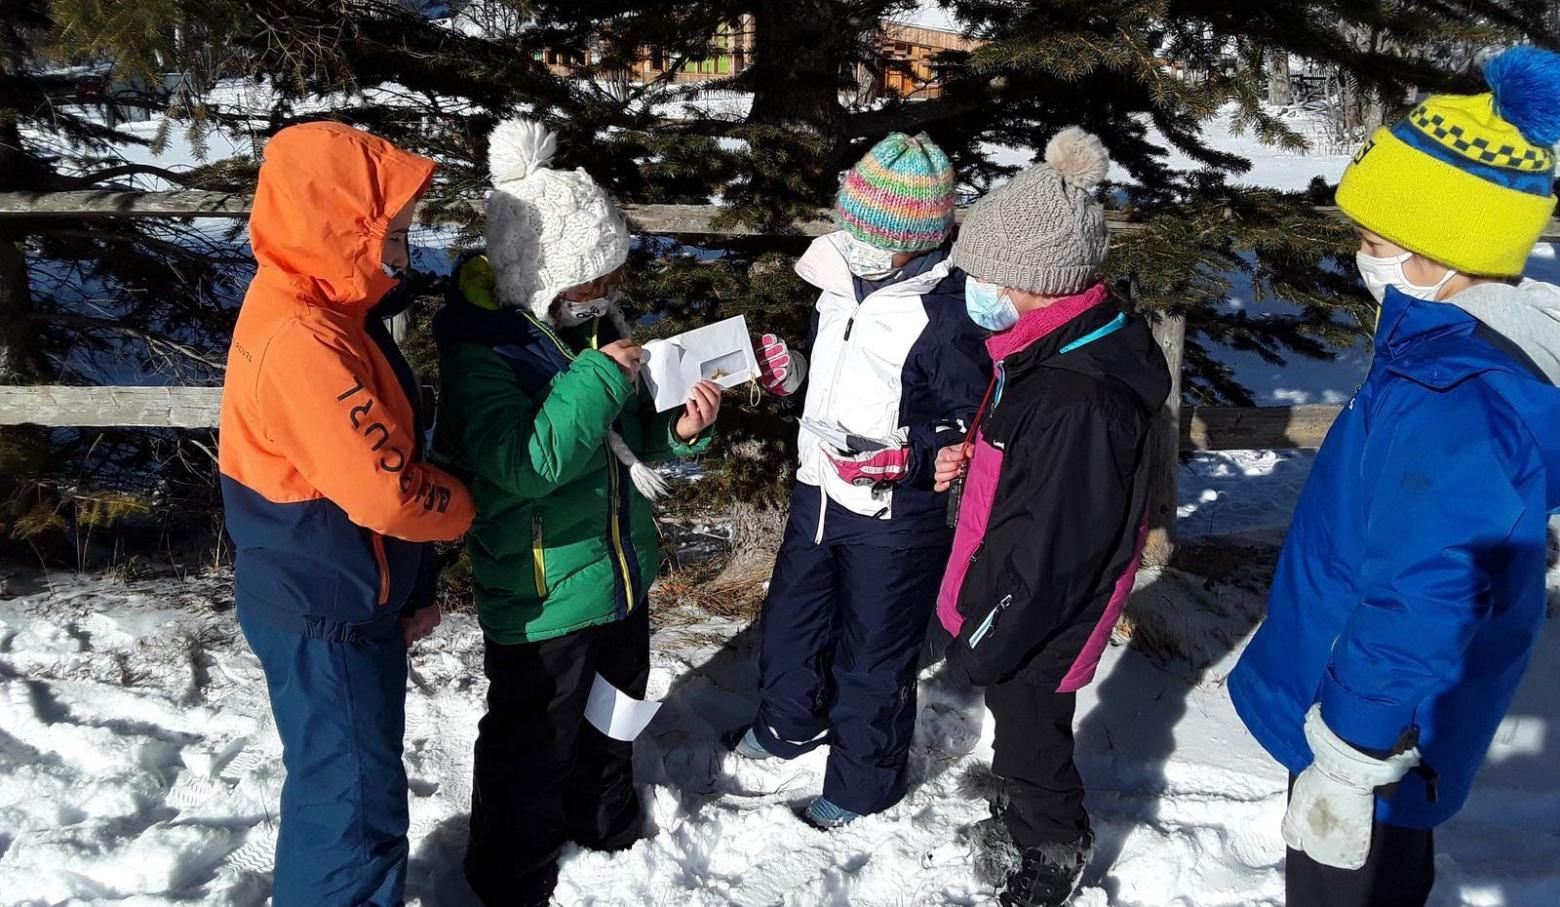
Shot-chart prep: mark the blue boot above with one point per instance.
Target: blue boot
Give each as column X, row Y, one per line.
column 824, row 815
column 749, row 747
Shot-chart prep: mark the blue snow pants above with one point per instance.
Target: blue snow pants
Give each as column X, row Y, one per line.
column 340, row 708
column 842, row 631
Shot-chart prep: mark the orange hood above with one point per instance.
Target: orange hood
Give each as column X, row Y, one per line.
column 326, row 197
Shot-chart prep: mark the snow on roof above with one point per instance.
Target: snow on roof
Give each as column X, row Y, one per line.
column 928, row 14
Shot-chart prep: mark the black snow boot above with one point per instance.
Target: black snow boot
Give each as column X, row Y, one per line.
column 1047, row 876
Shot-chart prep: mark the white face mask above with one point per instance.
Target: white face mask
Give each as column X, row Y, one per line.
column 571, row 314
column 1381, row 273
column 866, row 260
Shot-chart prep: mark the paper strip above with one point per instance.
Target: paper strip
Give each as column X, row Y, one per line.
column 617, row 714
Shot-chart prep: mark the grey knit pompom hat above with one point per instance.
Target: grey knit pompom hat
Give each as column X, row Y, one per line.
column 1044, row 231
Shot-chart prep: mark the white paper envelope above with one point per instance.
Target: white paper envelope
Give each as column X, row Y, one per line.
column 843, row 439
column 721, row 352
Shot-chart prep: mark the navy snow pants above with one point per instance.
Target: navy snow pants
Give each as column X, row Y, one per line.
column 340, row 708
column 842, row 630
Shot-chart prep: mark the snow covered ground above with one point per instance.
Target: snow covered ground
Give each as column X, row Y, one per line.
column 139, row 764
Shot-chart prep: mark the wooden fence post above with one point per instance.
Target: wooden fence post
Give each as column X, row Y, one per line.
column 1165, row 446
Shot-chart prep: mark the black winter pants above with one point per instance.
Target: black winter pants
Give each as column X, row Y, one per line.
column 1399, row 871
column 1033, row 755
column 543, row 775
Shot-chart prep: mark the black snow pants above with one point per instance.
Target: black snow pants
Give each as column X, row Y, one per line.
column 543, row 775
column 1042, row 799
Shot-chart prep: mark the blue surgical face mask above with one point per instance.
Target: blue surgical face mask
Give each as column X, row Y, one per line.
column 989, row 305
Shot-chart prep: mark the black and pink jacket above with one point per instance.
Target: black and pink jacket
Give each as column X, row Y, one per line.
column 1052, row 522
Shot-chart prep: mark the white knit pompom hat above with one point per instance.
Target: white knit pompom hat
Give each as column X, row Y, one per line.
column 547, row 230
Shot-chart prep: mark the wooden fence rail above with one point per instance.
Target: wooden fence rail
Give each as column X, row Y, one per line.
column 1202, row 428
column 659, row 220
column 111, row 407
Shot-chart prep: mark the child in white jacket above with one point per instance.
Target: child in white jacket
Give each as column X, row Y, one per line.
column 893, row 359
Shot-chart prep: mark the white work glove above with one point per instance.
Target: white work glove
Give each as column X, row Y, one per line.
column 1333, row 804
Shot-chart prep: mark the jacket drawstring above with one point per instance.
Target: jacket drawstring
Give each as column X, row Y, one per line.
column 650, row 484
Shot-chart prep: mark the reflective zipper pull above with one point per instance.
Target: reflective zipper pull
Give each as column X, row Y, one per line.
column 990, row 621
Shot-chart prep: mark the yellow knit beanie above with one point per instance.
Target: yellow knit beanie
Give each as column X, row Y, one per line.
column 1466, row 180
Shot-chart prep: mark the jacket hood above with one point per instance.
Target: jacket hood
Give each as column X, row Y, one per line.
column 471, row 313
column 1438, row 344
column 1127, row 357
column 326, row 197
column 823, row 266
column 1527, row 314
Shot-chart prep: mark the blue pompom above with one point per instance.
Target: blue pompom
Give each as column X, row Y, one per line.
column 1526, row 84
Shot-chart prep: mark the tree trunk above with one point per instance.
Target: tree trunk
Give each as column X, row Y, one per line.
column 1165, row 446
column 19, row 353
column 801, row 51
column 1280, row 92
column 21, row 358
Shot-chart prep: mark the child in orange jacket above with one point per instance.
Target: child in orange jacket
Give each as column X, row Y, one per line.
column 331, row 504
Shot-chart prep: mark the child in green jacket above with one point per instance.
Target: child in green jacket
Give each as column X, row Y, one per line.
column 543, row 416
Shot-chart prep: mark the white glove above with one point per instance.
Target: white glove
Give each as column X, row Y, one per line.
column 1333, row 804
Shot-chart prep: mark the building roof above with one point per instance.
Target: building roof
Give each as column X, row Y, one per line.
column 928, row 14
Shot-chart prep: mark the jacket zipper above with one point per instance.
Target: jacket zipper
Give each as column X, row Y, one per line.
column 621, row 556
column 990, row 621
column 384, row 569
column 538, row 556
column 828, row 408
column 617, row 532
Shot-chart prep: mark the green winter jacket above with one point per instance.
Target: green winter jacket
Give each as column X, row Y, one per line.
column 562, row 540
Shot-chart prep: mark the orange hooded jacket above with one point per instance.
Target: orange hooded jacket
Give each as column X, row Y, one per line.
column 326, row 492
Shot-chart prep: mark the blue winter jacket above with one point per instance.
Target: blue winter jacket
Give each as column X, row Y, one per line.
column 1411, row 589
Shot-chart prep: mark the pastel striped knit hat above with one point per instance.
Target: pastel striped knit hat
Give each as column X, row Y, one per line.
column 899, row 196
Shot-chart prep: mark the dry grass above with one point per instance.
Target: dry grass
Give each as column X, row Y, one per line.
column 733, row 585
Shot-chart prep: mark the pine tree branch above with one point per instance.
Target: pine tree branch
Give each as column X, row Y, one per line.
column 112, row 173
column 153, row 341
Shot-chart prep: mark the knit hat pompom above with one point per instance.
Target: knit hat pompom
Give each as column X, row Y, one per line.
column 518, row 147
column 1526, row 83
column 1078, row 157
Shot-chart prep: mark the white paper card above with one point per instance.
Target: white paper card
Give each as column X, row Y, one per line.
column 721, row 352
column 840, row 439
column 617, row 714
